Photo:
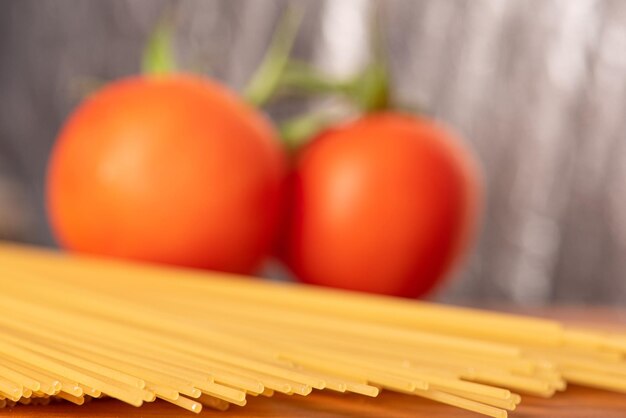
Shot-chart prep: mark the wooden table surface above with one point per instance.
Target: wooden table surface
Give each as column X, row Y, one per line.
column 576, row 402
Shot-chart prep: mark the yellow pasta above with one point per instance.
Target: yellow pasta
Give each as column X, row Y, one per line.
column 78, row 328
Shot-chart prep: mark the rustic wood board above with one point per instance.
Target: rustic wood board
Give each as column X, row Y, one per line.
column 576, row 402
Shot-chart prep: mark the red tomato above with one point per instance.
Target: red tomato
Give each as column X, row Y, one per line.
column 384, row 204
column 171, row 169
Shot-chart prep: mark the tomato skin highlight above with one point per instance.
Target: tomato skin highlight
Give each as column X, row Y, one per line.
column 170, row 169
column 384, row 204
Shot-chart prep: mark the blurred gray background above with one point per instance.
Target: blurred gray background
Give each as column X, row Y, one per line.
column 537, row 87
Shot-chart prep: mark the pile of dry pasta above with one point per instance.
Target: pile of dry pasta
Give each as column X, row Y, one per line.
column 78, row 328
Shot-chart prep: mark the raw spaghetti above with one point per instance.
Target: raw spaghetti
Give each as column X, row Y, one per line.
column 77, row 328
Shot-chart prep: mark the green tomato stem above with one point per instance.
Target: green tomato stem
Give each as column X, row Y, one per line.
column 266, row 79
column 302, row 78
column 158, row 55
column 369, row 90
column 295, row 132
column 372, row 90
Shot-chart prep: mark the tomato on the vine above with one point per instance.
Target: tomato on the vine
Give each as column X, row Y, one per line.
column 172, row 169
column 384, row 204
